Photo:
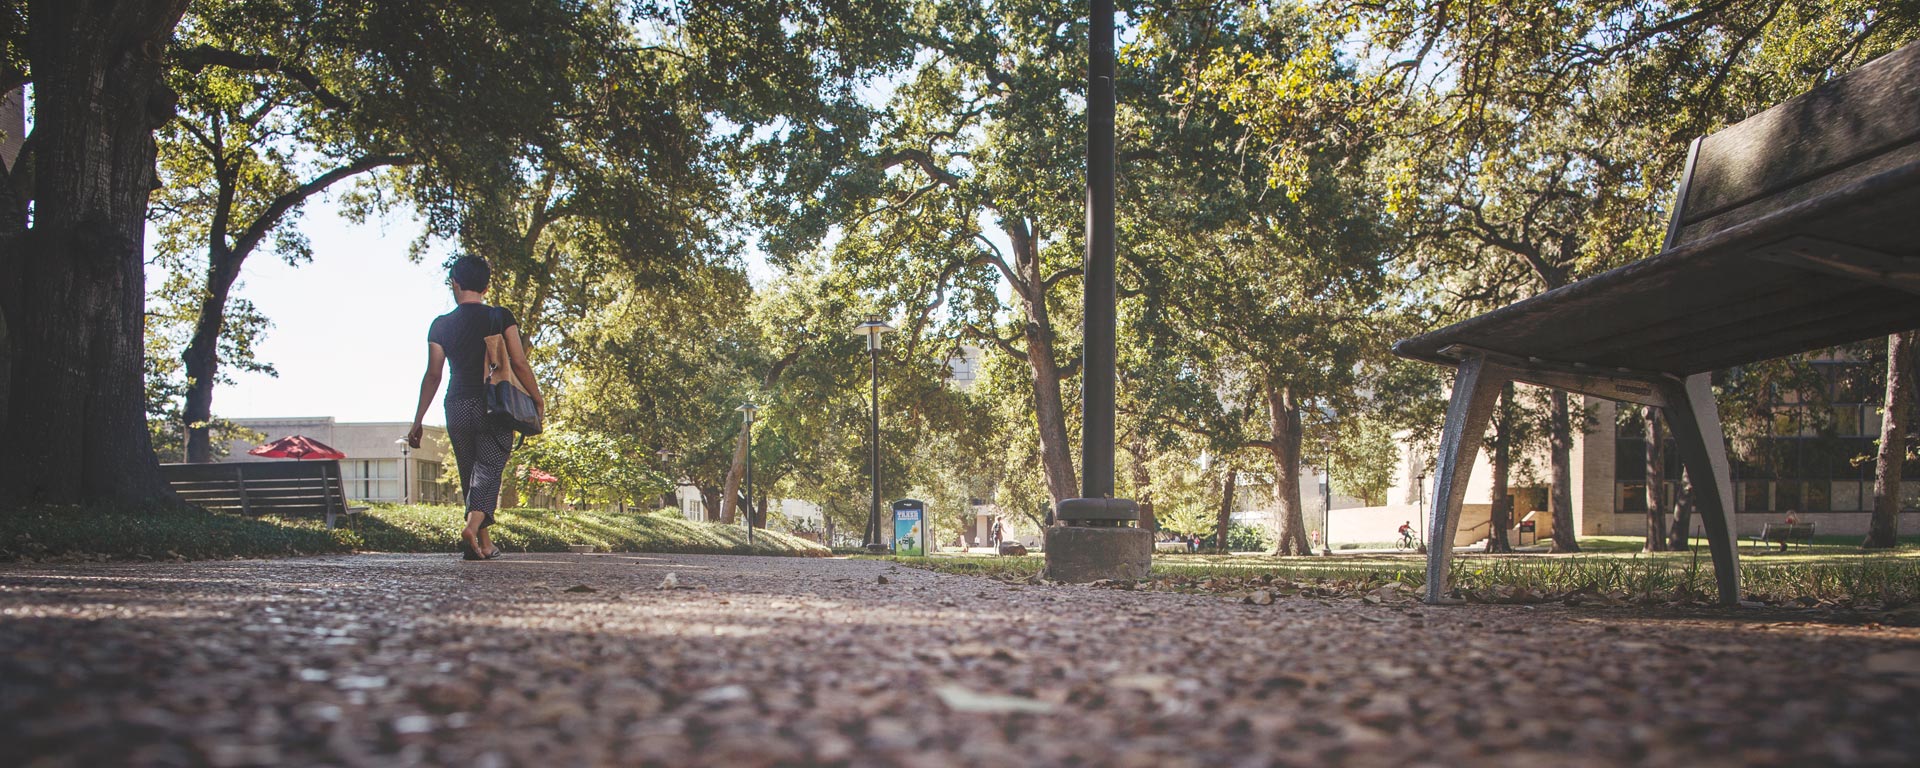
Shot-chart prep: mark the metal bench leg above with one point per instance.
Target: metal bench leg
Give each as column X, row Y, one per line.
column 1695, row 422
column 1476, row 388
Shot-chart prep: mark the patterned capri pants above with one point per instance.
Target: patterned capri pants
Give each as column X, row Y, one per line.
column 481, row 449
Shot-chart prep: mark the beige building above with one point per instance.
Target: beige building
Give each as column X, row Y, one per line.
column 376, row 468
column 1805, row 461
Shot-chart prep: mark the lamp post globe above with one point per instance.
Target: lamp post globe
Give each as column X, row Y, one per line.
column 872, row 330
column 746, row 414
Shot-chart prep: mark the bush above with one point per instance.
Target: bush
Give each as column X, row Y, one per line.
column 1248, row 538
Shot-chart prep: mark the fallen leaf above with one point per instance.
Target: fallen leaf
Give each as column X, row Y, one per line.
column 883, row 579
column 670, row 582
column 1260, row 597
column 1905, row 662
column 581, row 588
column 960, row 699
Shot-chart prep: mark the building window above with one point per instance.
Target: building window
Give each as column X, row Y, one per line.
column 372, row 479
column 1846, row 496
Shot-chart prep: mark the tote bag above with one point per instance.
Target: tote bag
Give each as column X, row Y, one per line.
column 508, row 404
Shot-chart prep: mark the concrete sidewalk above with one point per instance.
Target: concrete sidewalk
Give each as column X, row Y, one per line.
column 585, row 660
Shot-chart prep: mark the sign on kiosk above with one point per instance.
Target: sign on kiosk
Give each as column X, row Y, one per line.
column 909, row 528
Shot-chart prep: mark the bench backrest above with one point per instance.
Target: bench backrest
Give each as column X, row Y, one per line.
column 1845, row 130
column 260, row 487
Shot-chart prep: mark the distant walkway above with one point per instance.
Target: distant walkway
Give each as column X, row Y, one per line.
column 560, row 660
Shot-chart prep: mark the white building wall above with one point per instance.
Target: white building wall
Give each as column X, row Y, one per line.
column 374, row 469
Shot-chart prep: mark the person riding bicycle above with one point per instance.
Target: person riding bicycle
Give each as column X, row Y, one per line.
column 1406, row 534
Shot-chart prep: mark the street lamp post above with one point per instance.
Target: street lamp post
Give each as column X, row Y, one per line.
column 1326, row 510
column 1326, row 493
column 1095, row 536
column 1420, row 502
column 406, row 488
column 872, row 329
column 746, row 411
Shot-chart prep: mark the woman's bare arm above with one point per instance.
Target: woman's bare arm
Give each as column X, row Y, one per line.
column 517, row 355
column 429, row 386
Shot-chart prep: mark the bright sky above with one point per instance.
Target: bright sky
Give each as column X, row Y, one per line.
column 349, row 333
column 349, row 329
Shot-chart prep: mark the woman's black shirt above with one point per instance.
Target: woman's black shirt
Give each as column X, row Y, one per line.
column 462, row 334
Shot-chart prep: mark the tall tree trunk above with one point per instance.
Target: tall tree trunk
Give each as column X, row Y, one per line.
column 1560, row 466
column 76, row 427
column 1283, row 416
column 1142, row 483
column 709, row 502
column 1501, row 517
column 730, row 498
column 1049, row 410
column 1682, row 515
column 1656, row 480
column 1883, row 530
column 1223, row 524
column 202, row 356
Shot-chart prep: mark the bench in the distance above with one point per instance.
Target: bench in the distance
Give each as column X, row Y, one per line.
column 253, row 488
column 1785, row 533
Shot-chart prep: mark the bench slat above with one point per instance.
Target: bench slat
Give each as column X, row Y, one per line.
column 1837, row 130
column 255, row 488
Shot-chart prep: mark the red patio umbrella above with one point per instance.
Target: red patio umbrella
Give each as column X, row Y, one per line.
column 297, row 447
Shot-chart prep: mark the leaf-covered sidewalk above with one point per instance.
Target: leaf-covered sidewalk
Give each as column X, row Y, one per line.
column 602, row 659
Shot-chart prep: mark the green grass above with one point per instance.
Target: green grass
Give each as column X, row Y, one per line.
column 192, row 534
column 1831, row 573
column 436, row 529
column 163, row 533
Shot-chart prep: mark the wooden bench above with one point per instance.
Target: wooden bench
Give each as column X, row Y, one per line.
column 1792, row 231
column 1785, row 533
column 262, row 487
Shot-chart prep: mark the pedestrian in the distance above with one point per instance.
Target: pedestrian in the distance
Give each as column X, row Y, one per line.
column 480, row 447
column 997, row 531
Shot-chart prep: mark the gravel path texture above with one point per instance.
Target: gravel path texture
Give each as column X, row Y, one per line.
column 561, row 660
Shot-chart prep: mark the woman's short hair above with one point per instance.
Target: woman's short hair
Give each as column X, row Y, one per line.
column 471, row 272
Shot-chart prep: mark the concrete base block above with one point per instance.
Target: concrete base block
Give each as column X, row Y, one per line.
column 1077, row 554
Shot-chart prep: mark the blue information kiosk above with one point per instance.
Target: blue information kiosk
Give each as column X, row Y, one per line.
column 909, row 528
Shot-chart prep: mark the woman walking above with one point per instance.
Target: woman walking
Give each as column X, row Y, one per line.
column 480, row 446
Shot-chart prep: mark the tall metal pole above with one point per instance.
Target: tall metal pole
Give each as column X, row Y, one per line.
column 1095, row 538
column 750, row 507
column 874, row 541
column 1097, row 383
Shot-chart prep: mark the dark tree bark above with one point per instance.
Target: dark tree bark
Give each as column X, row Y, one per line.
column 1501, row 516
column 1656, row 481
column 1283, row 414
column 1049, row 409
column 1560, row 466
column 1224, row 523
column 1883, row 530
column 76, row 427
column 1682, row 516
column 1142, row 484
column 709, row 502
